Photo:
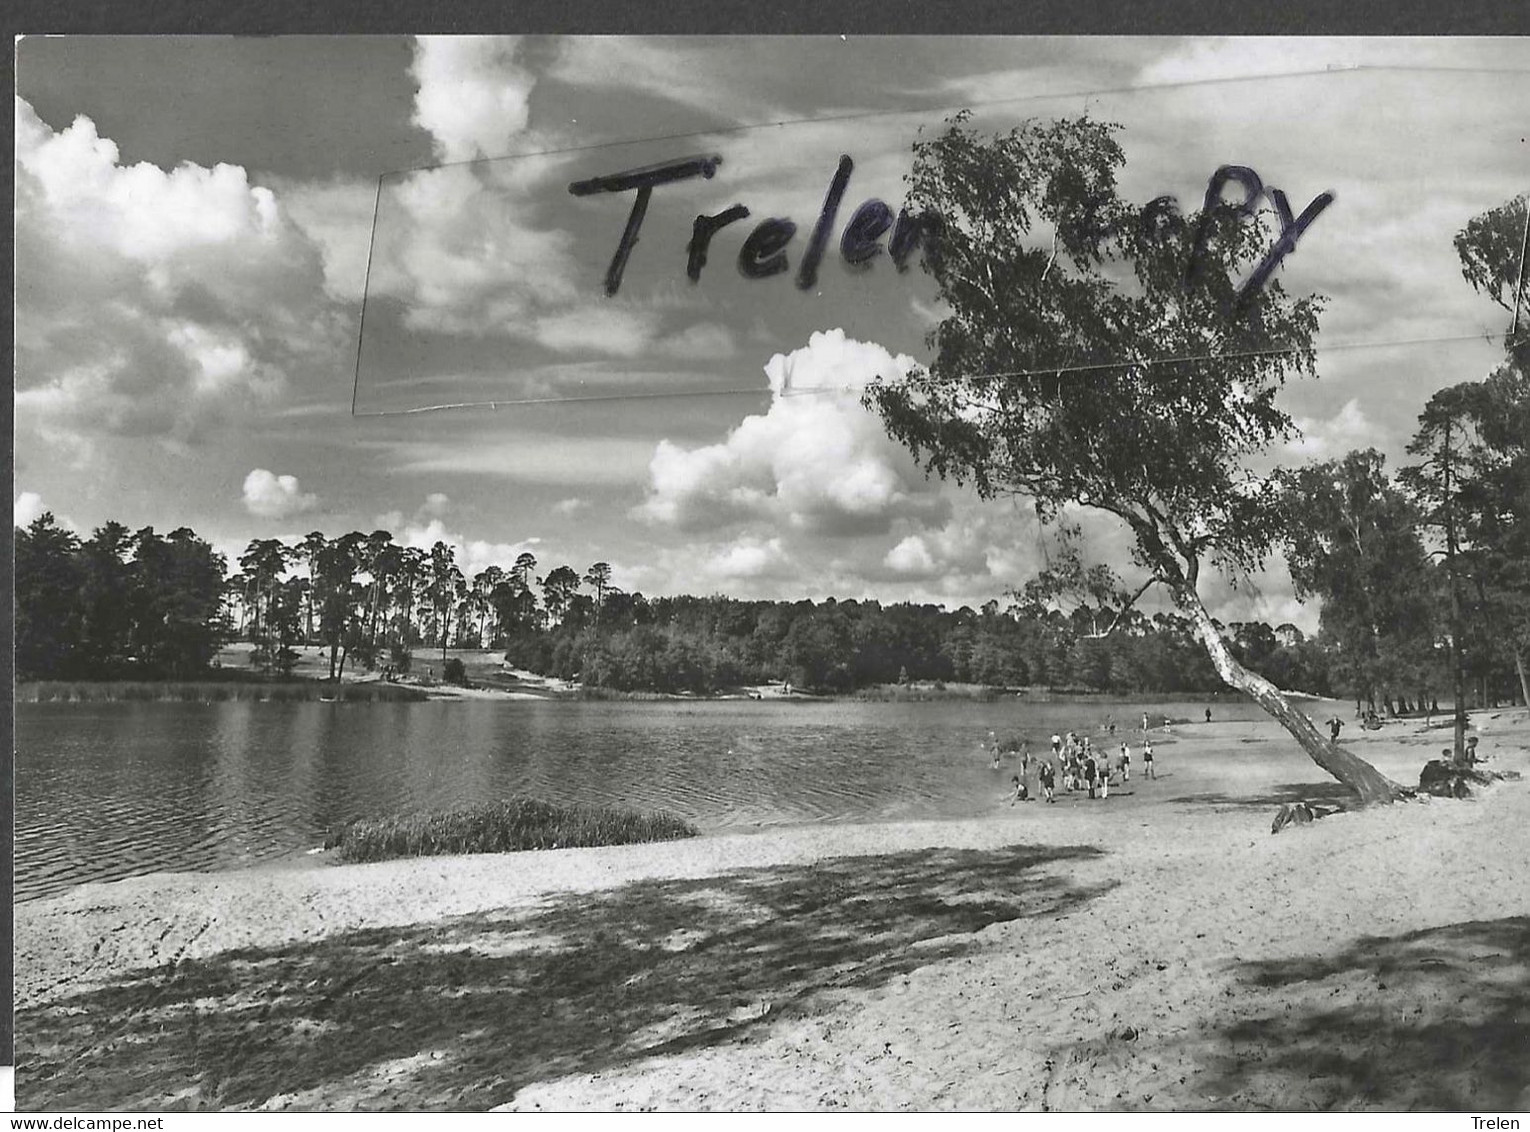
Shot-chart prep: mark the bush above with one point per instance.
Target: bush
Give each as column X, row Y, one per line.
column 504, row 827
column 454, row 671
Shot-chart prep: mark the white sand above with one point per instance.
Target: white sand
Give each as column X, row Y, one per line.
column 1200, row 963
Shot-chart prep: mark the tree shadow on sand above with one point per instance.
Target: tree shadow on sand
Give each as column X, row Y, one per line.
column 1436, row 1020
column 1335, row 793
column 464, row 1012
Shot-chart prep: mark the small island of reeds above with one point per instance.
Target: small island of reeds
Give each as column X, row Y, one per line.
column 504, row 827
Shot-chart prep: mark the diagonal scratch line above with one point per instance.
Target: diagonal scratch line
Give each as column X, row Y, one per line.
column 586, row 399
column 1330, row 70
column 974, row 104
column 366, row 288
column 1176, row 359
column 789, row 390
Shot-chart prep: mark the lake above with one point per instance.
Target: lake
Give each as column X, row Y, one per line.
column 110, row 790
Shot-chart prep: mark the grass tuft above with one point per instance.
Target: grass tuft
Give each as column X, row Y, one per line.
column 504, row 827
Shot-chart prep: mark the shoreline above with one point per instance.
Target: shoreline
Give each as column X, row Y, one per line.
column 529, row 686
column 997, row 961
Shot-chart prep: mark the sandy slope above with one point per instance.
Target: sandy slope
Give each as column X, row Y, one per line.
column 1160, row 950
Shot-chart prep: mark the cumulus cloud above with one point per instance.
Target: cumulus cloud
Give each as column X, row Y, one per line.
column 473, row 556
column 570, row 506
column 749, row 558
column 337, row 216
column 29, row 507
column 461, row 247
column 482, row 248
column 1265, row 595
column 150, row 301
column 912, row 558
column 473, row 95
column 428, row 526
column 275, row 497
column 815, row 461
column 1345, row 431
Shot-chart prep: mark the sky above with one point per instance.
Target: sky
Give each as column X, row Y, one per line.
column 201, row 224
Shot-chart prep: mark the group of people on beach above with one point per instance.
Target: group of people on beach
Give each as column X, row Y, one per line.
column 1072, row 765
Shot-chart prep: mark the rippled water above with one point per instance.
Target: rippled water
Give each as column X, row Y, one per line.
column 105, row 791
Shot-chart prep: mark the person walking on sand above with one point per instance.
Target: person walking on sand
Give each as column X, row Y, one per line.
column 1208, row 715
column 1126, row 764
column 1047, row 776
column 1089, row 773
column 1147, row 760
column 1334, row 726
column 1144, row 723
column 1104, row 772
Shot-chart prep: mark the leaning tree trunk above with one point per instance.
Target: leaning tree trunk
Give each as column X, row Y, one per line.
column 1524, row 684
column 1360, row 776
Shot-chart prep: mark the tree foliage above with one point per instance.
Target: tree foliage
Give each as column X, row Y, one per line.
column 1077, row 366
column 1492, row 252
column 1107, row 354
column 87, row 610
column 1472, row 476
column 1353, row 541
column 116, row 604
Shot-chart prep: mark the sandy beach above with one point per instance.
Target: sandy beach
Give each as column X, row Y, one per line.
column 1160, row 950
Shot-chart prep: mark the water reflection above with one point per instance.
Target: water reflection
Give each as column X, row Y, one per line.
column 111, row 790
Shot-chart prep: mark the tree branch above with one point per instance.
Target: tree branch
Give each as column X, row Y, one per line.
column 1050, row 259
column 1142, row 589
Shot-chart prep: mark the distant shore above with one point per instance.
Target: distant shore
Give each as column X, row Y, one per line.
column 1087, row 956
column 488, row 677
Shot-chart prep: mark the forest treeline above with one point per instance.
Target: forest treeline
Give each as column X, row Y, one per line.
column 125, row 604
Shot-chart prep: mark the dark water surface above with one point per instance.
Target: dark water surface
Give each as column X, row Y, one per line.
column 105, row 791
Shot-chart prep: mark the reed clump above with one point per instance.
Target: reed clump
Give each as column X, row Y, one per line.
column 504, row 827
